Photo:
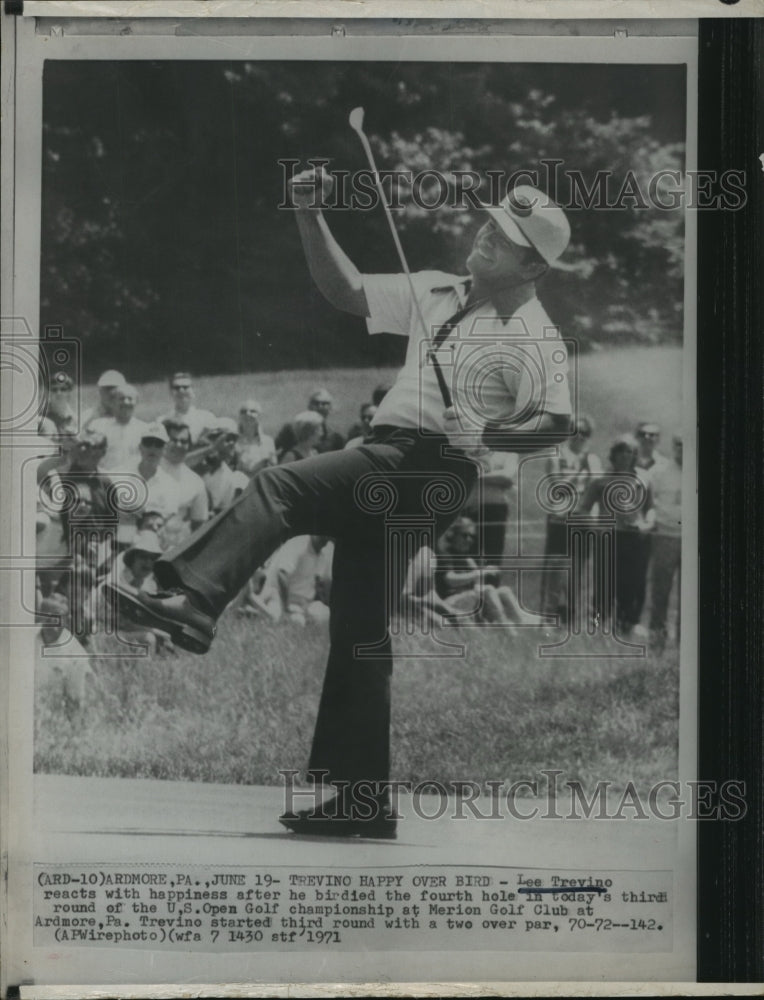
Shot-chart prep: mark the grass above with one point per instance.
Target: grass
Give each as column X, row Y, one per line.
column 248, row 707
column 498, row 713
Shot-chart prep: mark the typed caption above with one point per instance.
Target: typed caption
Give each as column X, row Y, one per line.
column 416, row 907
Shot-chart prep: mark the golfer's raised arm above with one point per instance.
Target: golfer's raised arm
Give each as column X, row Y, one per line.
column 336, row 276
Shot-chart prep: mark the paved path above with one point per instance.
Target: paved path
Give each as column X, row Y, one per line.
column 114, row 819
column 123, row 821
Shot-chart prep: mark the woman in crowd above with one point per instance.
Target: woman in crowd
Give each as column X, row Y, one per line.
column 625, row 492
column 452, row 583
column 575, row 464
column 307, row 427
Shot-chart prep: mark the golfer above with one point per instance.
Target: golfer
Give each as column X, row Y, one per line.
column 416, row 441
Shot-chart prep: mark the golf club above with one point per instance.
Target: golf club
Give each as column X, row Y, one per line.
column 356, row 123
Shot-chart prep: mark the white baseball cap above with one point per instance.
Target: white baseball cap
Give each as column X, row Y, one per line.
column 531, row 219
column 111, row 379
column 157, row 432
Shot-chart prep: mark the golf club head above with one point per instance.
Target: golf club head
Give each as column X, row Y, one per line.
column 356, row 119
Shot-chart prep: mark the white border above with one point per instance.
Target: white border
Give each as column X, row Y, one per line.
column 503, row 9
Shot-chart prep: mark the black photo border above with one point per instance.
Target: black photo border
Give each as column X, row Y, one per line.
column 731, row 496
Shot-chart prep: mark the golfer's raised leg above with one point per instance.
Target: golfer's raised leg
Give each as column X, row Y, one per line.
column 201, row 576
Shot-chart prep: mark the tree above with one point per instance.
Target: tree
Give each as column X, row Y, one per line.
column 163, row 245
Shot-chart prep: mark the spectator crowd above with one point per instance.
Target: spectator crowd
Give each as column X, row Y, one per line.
column 121, row 490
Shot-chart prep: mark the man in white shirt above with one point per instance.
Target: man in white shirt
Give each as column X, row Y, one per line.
column 648, row 435
column 223, row 484
column 108, row 382
column 183, row 394
column 667, row 543
column 161, row 491
column 193, row 505
column 422, row 448
column 297, row 580
column 60, row 417
column 255, row 449
column 123, row 432
column 574, row 465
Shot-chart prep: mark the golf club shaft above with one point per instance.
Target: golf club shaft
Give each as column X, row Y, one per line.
column 442, row 384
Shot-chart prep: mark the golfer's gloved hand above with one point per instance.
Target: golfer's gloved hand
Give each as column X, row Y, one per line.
column 455, row 434
column 311, row 188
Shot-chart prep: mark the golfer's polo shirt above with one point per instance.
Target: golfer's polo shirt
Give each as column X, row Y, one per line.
column 498, row 367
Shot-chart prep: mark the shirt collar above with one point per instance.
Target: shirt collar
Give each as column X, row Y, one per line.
column 462, row 287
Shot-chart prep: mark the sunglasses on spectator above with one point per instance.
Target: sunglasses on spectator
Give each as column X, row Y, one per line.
column 648, row 434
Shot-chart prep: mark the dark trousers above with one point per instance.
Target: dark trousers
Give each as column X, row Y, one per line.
column 556, row 592
column 666, row 564
column 492, row 520
column 632, row 555
column 353, row 496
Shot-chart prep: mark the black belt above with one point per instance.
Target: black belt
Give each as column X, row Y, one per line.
column 408, row 438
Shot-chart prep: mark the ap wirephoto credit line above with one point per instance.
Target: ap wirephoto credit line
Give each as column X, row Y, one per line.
column 353, row 496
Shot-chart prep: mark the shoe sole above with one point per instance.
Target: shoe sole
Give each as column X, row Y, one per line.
column 342, row 828
column 183, row 635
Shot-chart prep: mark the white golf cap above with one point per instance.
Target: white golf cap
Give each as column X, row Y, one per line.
column 155, row 432
column 110, row 379
column 531, row 219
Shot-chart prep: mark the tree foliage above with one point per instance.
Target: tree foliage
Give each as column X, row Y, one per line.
column 164, row 246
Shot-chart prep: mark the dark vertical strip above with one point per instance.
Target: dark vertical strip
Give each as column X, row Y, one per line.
column 731, row 440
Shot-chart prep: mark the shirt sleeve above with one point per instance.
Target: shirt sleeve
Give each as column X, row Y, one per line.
column 391, row 306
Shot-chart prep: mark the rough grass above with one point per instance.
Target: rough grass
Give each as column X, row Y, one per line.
column 248, row 708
